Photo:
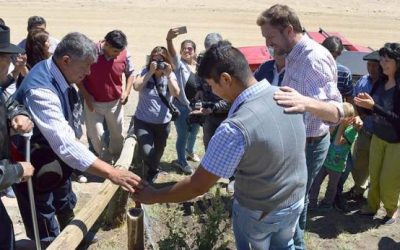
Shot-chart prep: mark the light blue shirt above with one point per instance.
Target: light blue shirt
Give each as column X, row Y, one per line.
column 228, row 144
column 364, row 85
column 45, row 107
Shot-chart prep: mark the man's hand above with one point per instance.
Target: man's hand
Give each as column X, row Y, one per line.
column 124, row 98
column 146, row 195
column 28, row 170
column 292, row 100
column 21, row 124
column 127, row 180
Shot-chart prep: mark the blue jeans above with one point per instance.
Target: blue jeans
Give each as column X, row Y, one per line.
column 186, row 135
column 273, row 231
column 315, row 156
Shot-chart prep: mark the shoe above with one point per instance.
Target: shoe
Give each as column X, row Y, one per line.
column 186, row 169
column 340, row 204
column 81, row 179
column 193, row 157
column 230, row 189
column 388, row 220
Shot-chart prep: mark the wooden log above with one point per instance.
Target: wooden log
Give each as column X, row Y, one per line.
column 135, row 229
column 76, row 230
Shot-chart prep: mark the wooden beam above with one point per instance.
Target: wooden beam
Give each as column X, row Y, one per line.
column 135, row 229
column 76, row 230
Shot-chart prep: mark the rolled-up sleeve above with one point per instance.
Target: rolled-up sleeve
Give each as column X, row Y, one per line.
column 45, row 108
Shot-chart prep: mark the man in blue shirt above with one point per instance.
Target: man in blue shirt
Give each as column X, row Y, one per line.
column 344, row 83
column 272, row 70
column 260, row 143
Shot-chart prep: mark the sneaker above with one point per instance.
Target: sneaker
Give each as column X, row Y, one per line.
column 81, row 179
column 230, row 189
column 387, row 220
column 353, row 194
column 186, row 169
column 193, row 157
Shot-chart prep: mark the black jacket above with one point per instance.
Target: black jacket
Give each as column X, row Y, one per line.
column 9, row 172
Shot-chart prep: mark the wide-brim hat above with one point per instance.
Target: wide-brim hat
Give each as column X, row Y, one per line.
column 5, row 45
column 373, row 56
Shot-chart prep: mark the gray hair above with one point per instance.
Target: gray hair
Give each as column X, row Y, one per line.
column 77, row 46
column 212, row 38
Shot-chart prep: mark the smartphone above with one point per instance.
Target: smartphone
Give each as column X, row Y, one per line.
column 182, row 30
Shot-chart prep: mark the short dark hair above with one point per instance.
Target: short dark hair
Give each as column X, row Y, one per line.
column 333, row 44
column 280, row 16
column 223, row 57
column 35, row 46
column 2, row 21
column 35, row 21
column 117, row 39
column 392, row 50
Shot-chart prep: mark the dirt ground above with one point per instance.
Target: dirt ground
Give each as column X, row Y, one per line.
column 366, row 22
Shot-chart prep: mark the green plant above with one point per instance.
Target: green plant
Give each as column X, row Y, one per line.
column 176, row 233
column 212, row 226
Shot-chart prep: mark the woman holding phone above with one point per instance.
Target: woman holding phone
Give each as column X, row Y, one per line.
column 152, row 117
column 185, row 63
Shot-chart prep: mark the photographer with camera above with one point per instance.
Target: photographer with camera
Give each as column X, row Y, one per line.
column 185, row 63
column 156, row 84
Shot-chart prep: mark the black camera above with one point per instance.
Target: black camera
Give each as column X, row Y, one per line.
column 161, row 65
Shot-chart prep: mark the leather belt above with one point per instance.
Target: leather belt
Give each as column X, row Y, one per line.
column 315, row 139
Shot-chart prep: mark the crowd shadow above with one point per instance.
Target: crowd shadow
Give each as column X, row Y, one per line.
column 330, row 224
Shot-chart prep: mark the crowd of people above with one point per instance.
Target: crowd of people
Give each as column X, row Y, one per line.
column 275, row 133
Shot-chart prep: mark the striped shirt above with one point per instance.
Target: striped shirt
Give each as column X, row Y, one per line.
column 228, row 144
column 345, row 81
column 311, row 70
column 47, row 113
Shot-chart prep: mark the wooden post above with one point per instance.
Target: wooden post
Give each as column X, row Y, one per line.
column 76, row 230
column 135, row 229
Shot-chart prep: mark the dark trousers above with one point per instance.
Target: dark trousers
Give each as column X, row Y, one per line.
column 210, row 125
column 331, row 189
column 59, row 203
column 7, row 240
column 152, row 139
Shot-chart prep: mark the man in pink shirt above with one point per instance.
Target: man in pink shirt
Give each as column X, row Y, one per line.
column 104, row 94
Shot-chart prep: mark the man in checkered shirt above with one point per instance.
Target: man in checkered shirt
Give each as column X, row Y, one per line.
column 310, row 86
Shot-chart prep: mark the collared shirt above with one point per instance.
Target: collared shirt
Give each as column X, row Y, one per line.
column 228, row 144
column 345, row 81
column 130, row 67
column 45, row 107
column 364, row 85
column 278, row 75
column 311, row 70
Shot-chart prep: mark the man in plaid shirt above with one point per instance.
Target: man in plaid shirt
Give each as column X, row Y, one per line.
column 310, row 86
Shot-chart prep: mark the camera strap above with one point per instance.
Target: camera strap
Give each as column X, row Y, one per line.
column 162, row 97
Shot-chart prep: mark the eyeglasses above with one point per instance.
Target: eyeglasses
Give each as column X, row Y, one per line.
column 190, row 49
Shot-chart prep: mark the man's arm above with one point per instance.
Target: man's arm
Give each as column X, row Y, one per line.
column 47, row 114
column 190, row 187
column 294, row 102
